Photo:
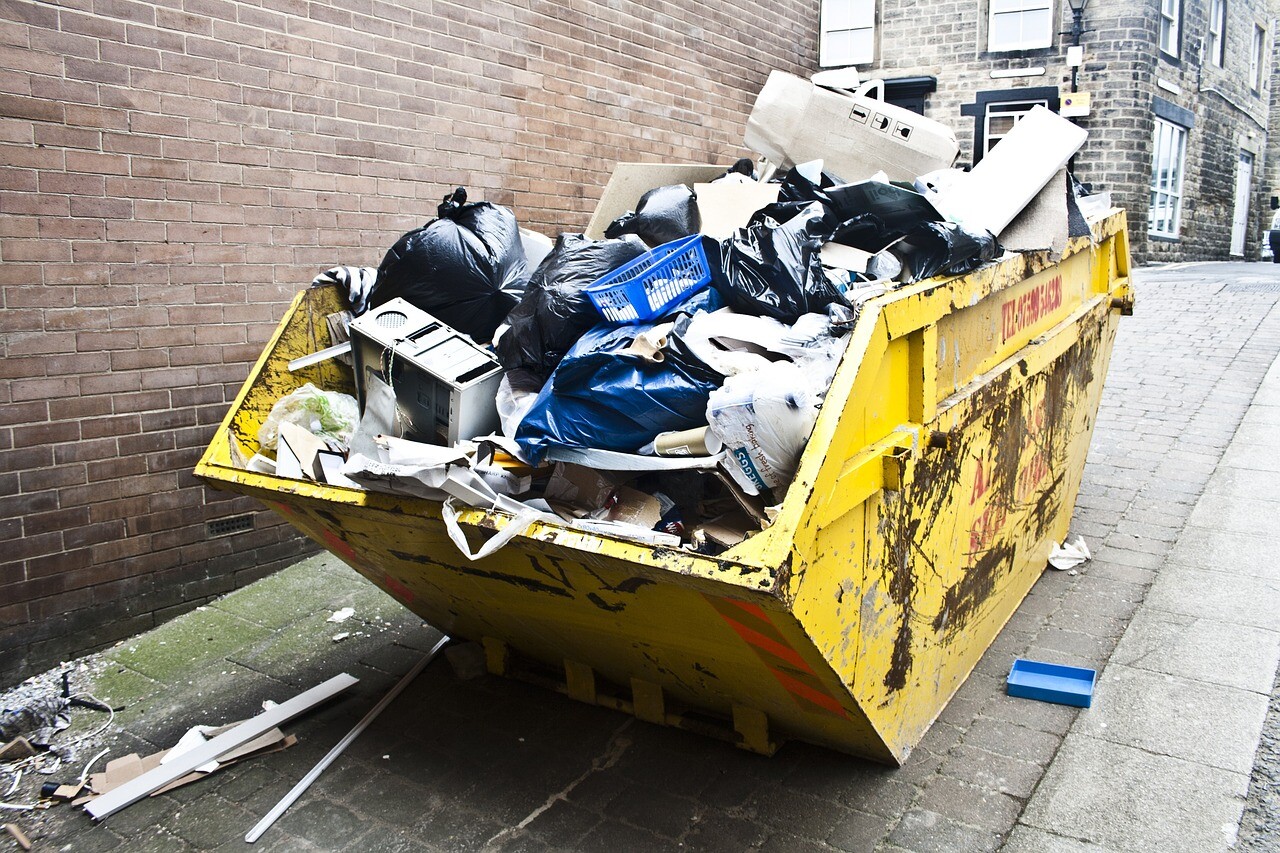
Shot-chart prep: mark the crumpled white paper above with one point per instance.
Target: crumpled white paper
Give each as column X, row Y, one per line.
column 1069, row 554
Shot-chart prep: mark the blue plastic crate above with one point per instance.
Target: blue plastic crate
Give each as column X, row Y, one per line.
column 1052, row 682
column 644, row 288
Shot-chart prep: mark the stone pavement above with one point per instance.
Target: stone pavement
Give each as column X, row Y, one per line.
column 1163, row 761
column 493, row 765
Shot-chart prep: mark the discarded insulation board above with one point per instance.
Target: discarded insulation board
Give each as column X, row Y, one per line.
column 944, row 464
column 1004, row 182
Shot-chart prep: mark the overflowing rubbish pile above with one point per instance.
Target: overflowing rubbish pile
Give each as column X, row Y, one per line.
column 657, row 377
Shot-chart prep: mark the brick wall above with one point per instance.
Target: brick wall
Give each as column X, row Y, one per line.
column 1122, row 71
column 174, row 171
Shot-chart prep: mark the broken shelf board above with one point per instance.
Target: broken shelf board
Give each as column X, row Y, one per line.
column 134, row 790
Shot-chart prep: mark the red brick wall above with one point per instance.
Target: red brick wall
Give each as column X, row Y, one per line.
column 172, row 172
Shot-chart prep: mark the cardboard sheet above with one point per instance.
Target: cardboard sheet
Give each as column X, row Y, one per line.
column 128, row 767
column 632, row 180
column 581, row 488
column 635, row 507
column 726, row 207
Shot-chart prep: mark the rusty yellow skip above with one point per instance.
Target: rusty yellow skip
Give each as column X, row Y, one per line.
column 943, row 466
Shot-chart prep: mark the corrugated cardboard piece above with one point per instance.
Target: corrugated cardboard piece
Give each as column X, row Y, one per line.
column 855, row 135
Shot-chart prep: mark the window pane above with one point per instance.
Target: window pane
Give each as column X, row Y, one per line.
column 1020, row 30
column 1217, row 24
column 848, row 14
column 848, row 32
column 1037, row 28
column 1001, row 117
column 1000, row 125
column 837, row 14
column 1255, row 59
column 1006, row 32
column 861, row 46
column 835, row 46
column 863, row 14
column 1168, row 151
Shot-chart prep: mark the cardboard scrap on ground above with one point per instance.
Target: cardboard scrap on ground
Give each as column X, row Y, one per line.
column 16, row 749
column 128, row 767
column 18, row 835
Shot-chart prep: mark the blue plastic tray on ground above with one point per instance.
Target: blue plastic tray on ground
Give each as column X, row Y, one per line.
column 1051, row 682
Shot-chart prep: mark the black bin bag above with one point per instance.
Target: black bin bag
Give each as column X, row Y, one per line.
column 944, row 248
column 467, row 268
column 555, row 310
column 662, row 215
column 774, row 269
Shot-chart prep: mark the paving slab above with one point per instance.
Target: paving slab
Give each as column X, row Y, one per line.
column 1254, row 554
column 1212, row 724
column 1134, row 801
column 1243, row 483
column 1204, row 650
column 1232, row 513
column 206, row 633
column 1240, row 457
column 1025, row 839
column 1218, row 595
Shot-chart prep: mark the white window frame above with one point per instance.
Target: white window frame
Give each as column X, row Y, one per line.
column 1031, row 37
column 1170, row 26
column 847, row 33
column 1217, row 36
column 989, row 139
column 1169, row 146
column 1255, row 57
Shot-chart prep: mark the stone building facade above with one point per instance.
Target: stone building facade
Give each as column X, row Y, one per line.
column 173, row 171
column 1194, row 75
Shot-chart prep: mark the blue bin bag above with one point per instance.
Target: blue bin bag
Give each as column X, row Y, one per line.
column 600, row 397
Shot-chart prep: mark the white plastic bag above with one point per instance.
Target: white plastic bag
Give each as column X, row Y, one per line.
column 327, row 414
column 764, row 418
column 513, row 405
